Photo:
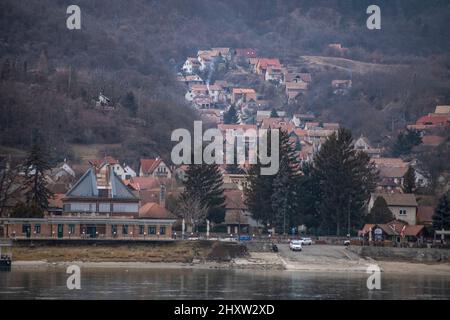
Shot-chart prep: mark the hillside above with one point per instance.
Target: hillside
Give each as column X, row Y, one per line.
column 51, row 76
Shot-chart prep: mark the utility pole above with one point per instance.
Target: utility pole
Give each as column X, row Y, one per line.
column 348, row 217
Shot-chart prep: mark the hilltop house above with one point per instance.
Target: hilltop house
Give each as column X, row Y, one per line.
column 274, row 74
column 293, row 89
column 124, row 171
column 263, row 64
column 301, row 119
column 104, row 103
column 245, row 53
column 155, row 168
column 341, row 87
column 402, row 206
column 191, row 79
column 242, row 95
column 363, row 144
column 338, row 49
column 191, row 65
column 99, row 205
column 294, row 76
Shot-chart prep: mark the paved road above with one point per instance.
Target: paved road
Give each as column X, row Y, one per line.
column 317, row 253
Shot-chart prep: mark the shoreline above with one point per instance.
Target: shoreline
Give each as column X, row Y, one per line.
column 391, row 267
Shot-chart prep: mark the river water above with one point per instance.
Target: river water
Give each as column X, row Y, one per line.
column 50, row 283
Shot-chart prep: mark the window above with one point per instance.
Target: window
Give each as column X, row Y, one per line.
column 113, row 229
column 402, row 212
column 66, row 207
column 104, row 207
column 141, row 230
column 37, row 228
column 125, row 229
column 26, row 228
column 71, row 228
column 126, row 207
column 151, row 230
column 162, row 230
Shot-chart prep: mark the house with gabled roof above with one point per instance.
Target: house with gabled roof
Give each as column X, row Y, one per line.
column 155, row 168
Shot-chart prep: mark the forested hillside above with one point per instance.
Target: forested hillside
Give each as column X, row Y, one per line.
column 130, row 51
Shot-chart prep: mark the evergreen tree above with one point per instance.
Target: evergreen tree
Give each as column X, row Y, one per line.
column 35, row 184
column 309, row 197
column 204, row 182
column 380, row 212
column 272, row 199
column 231, row 116
column 129, row 102
column 409, row 180
column 258, row 193
column 284, row 197
column 405, row 142
column 441, row 217
column 274, row 113
column 346, row 178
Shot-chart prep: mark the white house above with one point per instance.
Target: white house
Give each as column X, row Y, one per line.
column 191, row 65
column 403, row 206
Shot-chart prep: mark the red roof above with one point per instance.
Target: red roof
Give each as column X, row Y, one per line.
column 146, row 183
column 263, row 63
column 246, row 52
column 152, row 210
column 433, row 120
column 148, row 165
column 432, row 140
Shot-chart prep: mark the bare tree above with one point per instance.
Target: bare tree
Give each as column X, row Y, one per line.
column 192, row 210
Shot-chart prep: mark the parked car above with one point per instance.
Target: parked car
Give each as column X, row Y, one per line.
column 295, row 245
column 346, row 243
column 306, row 241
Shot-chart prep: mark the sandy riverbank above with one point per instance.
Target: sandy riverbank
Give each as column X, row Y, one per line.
column 258, row 261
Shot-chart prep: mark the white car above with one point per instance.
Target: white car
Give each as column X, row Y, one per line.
column 295, row 245
column 306, row 241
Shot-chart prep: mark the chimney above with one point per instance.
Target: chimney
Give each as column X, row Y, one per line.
column 162, row 196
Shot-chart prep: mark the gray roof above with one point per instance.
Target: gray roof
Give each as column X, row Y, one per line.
column 397, row 199
column 87, row 187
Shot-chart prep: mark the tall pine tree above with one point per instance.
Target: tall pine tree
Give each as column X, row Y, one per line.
column 346, row 179
column 204, row 182
column 272, row 199
column 284, row 197
column 441, row 217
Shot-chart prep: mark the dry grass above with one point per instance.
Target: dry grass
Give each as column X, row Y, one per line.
column 183, row 252
column 350, row 65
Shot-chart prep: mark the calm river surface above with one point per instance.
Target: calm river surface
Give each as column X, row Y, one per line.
column 50, row 283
